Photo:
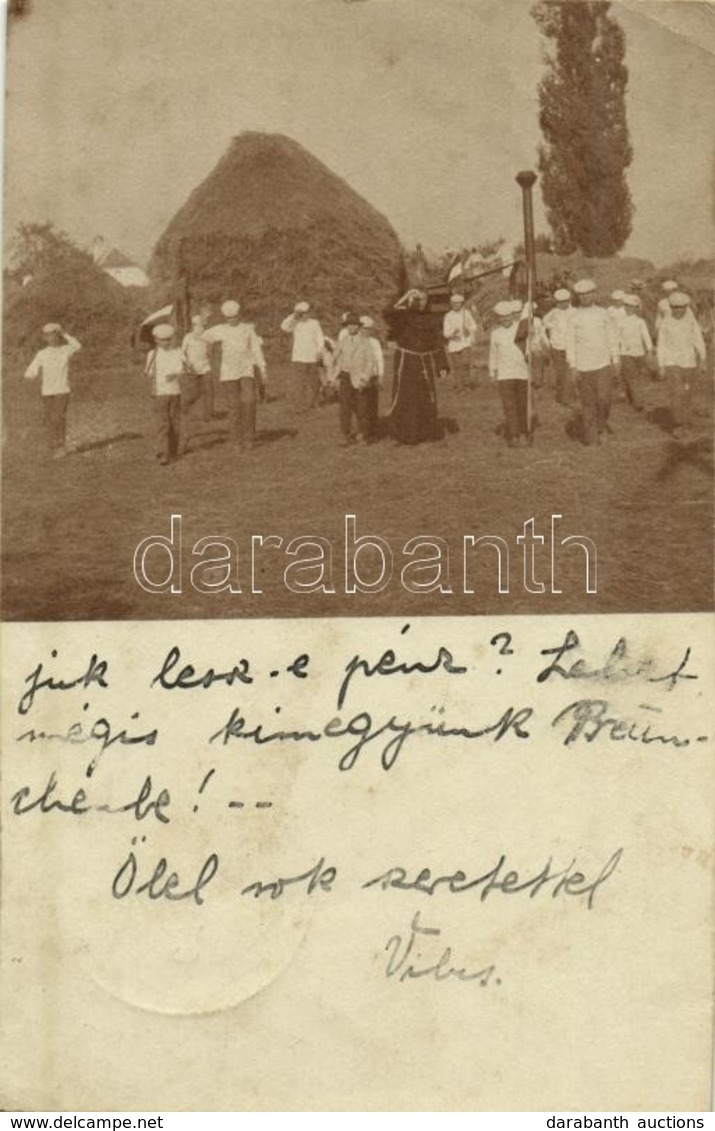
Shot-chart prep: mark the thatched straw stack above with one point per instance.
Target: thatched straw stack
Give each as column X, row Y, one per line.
column 70, row 289
column 272, row 225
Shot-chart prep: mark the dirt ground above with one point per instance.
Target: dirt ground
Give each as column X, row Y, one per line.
column 70, row 527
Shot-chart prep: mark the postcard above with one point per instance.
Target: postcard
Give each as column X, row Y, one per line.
column 357, row 589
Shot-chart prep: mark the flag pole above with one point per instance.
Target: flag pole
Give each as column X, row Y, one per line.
column 526, row 181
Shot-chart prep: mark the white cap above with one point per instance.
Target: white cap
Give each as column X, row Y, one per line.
column 618, row 296
column 163, row 332
column 679, row 298
column 52, row 328
column 230, row 308
column 631, row 300
column 670, row 285
column 517, row 305
column 456, row 298
column 367, row 321
column 302, row 307
column 584, row 287
column 504, row 309
column 562, row 295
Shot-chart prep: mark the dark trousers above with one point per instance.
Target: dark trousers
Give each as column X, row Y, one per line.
column 680, row 391
column 346, row 404
column 207, row 395
column 167, row 426
column 632, row 372
column 596, row 391
column 54, row 414
column 362, row 403
column 193, row 389
column 243, row 410
column 307, row 385
column 197, row 387
column 460, row 364
column 514, row 401
column 537, row 370
column 562, row 382
column 372, row 395
column 366, row 410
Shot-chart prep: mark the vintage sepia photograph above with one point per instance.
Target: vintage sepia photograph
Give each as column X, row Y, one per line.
column 339, row 306
column 357, row 561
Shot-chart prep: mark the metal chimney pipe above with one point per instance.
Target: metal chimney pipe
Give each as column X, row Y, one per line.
column 526, row 181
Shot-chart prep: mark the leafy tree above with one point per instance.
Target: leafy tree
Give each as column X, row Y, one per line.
column 41, row 248
column 489, row 249
column 51, row 279
column 586, row 148
column 543, row 242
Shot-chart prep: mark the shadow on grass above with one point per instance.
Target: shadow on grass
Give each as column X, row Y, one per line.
column 573, row 427
column 270, row 435
column 661, row 417
column 206, row 440
column 108, row 442
column 695, row 453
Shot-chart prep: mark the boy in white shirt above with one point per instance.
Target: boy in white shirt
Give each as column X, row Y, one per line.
column 372, row 391
column 617, row 309
column 617, row 313
column 197, row 383
column 681, row 353
column 635, row 346
column 460, row 333
column 241, row 358
column 51, row 364
column 555, row 328
column 355, row 363
column 593, row 359
column 508, row 367
column 164, row 366
column 308, row 342
column 669, row 286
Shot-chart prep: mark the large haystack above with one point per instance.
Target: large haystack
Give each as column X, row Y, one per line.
column 609, row 274
column 70, row 289
column 270, row 225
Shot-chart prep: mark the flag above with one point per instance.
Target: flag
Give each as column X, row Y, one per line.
column 144, row 332
column 182, row 305
column 456, row 271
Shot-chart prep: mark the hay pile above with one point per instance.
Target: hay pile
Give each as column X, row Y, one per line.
column 66, row 286
column 271, row 225
column 609, row 274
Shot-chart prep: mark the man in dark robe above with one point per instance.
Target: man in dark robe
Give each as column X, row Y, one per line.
column 420, row 358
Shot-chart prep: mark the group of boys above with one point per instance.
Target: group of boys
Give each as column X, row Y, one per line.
column 181, row 376
column 352, row 367
column 590, row 346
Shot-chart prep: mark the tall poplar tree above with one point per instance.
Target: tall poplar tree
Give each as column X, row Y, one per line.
column 586, row 148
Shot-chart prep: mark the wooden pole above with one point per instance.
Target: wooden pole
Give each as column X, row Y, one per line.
column 526, row 181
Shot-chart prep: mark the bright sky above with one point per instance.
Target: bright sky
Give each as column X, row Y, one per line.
column 117, row 109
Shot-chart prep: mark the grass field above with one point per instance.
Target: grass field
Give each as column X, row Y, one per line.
column 70, row 527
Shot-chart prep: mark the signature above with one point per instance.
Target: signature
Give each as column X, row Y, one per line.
column 406, row 960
